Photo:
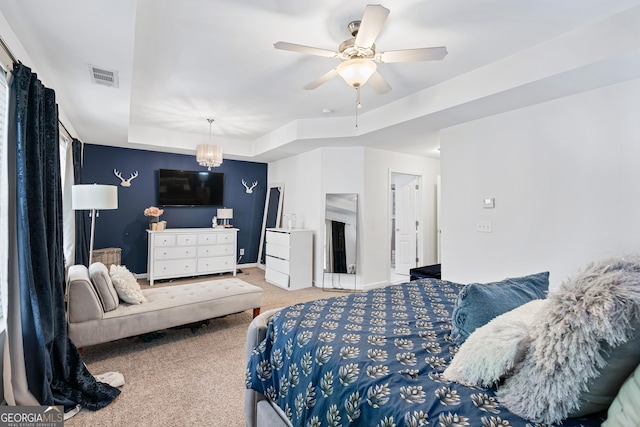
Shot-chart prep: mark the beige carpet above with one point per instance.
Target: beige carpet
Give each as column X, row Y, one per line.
column 185, row 378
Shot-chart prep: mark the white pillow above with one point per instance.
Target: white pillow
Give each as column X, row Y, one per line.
column 624, row 409
column 126, row 285
column 492, row 350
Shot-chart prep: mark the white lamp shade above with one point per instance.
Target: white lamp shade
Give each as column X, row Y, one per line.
column 225, row 213
column 357, row 71
column 94, row 196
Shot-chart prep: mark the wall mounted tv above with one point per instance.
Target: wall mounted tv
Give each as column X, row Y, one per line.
column 190, row 188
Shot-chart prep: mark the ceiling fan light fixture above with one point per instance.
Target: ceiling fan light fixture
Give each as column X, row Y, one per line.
column 209, row 155
column 356, row 71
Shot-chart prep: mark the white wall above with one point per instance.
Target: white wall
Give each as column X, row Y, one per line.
column 379, row 165
column 565, row 176
column 365, row 171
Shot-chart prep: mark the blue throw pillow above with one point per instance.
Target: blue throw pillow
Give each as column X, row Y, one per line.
column 478, row 303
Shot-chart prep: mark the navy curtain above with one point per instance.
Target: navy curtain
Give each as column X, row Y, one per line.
column 82, row 245
column 56, row 374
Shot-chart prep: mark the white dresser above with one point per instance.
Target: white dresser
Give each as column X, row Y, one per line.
column 289, row 261
column 181, row 252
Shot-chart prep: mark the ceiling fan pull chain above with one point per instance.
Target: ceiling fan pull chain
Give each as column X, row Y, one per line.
column 357, row 104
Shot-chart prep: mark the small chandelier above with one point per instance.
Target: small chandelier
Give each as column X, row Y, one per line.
column 209, row 155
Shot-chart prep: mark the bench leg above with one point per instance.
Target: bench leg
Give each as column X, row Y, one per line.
column 256, row 312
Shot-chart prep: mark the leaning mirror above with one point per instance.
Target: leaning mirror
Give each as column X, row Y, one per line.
column 272, row 215
column 340, row 237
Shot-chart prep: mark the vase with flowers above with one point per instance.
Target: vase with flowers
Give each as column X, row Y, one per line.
column 153, row 213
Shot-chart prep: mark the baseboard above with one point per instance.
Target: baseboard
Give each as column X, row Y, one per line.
column 350, row 288
column 375, row 285
column 238, row 267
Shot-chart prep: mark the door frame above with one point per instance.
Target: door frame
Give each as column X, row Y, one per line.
column 394, row 177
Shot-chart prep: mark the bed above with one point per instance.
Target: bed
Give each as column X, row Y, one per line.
column 374, row 358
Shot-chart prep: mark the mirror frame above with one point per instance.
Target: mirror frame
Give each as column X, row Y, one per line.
column 333, row 275
column 278, row 186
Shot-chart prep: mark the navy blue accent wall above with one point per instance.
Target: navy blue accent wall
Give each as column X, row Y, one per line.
column 126, row 227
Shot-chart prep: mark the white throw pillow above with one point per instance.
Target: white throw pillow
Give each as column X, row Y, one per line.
column 126, row 285
column 492, row 350
column 624, row 409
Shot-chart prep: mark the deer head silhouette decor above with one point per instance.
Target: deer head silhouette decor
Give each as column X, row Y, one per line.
column 125, row 182
column 249, row 189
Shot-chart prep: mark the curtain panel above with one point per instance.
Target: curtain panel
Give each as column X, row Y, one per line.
column 53, row 369
column 81, row 241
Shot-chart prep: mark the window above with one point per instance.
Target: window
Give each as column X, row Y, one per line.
column 4, row 201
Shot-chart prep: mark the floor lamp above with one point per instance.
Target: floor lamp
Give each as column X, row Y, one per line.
column 93, row 197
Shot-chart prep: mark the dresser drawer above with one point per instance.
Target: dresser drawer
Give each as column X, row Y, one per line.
column 215, row 263
column 187, row 239
column 164, row 240
column 226, row 237
column 208, row 239
column 175, row 252
column 277, row 264
column 276, row 238
column 276, row 278
column 217, row 250
column 176, row 267
column 277, row 251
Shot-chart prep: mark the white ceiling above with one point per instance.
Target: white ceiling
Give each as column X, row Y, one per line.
column 181, row 62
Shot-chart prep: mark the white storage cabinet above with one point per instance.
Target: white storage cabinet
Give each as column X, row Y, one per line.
column 185, row 252
column 289, row 262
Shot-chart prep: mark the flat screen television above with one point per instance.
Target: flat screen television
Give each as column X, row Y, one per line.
column 190, row 188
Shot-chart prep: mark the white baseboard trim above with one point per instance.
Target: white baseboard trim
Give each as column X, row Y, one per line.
column 360, row 288
column 238, row 267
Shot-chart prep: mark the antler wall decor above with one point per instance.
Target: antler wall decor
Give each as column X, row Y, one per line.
column 249, row 189
column 125, row 182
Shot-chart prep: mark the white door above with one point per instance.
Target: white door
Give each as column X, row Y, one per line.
column 438, row 229
column 406, row 223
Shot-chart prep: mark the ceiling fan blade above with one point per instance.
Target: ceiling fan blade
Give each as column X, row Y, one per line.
column 413, row 55
column 378, row 83
column 322, row 79
column 305, row 49
column 371, row 24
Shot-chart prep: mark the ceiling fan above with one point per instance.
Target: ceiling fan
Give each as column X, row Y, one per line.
column 358, row 54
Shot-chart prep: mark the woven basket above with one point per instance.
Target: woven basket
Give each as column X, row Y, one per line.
column 107, row 256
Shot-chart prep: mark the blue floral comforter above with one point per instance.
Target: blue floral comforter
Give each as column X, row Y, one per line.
column 373, row 359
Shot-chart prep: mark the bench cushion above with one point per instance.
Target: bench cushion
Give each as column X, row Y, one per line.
column 167, row 307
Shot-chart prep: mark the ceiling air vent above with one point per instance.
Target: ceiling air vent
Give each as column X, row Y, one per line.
column 103, row 77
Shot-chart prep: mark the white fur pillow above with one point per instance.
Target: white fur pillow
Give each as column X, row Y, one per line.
column 126, row 285
column 492, row 350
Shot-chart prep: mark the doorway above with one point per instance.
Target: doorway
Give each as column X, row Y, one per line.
column 406, row 235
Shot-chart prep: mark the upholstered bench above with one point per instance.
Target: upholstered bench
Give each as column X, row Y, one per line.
column 95, row 314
